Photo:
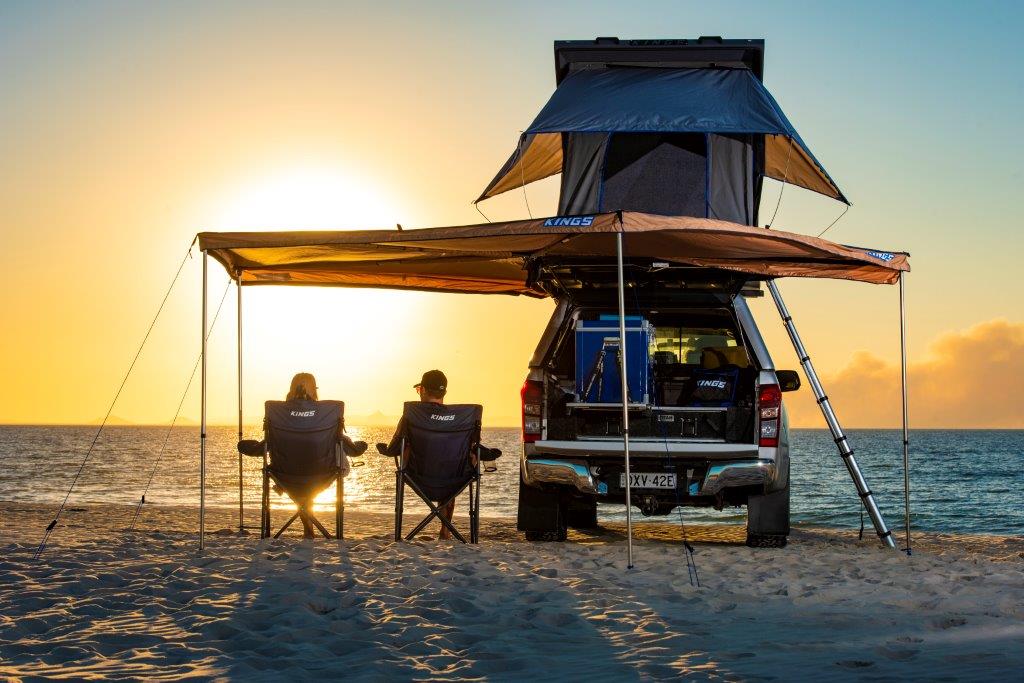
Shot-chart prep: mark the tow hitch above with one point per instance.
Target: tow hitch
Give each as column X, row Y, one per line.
column 648, row 505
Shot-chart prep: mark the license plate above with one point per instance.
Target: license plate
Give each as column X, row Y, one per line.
column 648, row 480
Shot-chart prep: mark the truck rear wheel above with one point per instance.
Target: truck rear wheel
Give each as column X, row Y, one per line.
column 581, row 513
column 542, row 514
column 765, row 541
column 768, row 519
column 547, row 536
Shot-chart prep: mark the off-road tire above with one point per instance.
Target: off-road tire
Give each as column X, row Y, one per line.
column 542, row 513
column 557, row 536
column 766, row 541
column 581, row 514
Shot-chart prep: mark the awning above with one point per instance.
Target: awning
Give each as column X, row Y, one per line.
column 657, row 100
column 493, row 258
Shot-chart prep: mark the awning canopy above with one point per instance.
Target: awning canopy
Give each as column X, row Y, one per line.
column 658, row 100
column 493, row 258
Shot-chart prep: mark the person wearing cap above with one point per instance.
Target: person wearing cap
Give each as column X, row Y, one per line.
column 431, row 388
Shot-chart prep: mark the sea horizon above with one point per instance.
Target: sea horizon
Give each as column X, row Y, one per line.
column 975, row 468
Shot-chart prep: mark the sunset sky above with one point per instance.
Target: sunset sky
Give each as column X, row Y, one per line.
column 128, row 127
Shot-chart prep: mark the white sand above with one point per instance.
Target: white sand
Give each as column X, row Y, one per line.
column 104, row 603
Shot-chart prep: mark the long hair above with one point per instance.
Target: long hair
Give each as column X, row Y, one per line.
column 303, row 388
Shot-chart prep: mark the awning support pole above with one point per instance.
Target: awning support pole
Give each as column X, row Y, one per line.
column 842, row 443
column 625, row 399
column 906, row 430
column 202, row 418
column 241, row 490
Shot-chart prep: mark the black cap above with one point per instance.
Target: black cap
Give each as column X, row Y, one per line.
column 433, row 381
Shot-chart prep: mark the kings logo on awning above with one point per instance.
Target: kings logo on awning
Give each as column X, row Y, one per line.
column 567, row 221
column 882, row 255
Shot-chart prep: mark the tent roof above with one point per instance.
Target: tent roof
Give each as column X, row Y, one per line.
column 493, row 258
column 660, row 100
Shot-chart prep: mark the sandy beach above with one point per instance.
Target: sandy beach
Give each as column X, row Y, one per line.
column 105, row 603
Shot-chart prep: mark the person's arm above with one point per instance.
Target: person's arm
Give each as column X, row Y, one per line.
column 251, row 447
column 348, row 446
column 394, row 448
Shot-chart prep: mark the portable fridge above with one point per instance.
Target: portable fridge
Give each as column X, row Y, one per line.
column 597, row 362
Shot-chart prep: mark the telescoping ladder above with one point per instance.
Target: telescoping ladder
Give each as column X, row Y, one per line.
column 842, row 443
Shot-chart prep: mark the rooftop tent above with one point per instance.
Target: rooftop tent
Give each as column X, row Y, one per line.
column 495, row 258
column 673, row 141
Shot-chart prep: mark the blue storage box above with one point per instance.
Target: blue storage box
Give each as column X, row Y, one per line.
column 594, row 336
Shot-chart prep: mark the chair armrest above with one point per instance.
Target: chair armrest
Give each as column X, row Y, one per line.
column 359, row 449
column 251, row 447
column 487, row 454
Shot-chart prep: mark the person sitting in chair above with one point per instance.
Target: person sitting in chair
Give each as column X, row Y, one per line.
column 303, row 388
column 431, row 388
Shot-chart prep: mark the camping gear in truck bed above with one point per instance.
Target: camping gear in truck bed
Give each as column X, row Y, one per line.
column 597, row 360
column 732, row 425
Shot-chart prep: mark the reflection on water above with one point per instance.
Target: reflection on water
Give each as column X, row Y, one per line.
column 964, row 481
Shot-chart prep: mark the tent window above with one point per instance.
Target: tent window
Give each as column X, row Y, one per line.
column 656, row 173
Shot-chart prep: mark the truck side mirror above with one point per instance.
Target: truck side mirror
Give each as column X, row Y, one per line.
column 789, row 380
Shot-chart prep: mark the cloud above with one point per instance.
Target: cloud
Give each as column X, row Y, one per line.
column 972, row 378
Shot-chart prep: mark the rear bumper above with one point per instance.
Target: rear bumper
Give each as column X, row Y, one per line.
column 576, row 474
column 701, row 450
column 561, row 472
column 736, row 474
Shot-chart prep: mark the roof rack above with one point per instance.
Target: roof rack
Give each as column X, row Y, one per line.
column 702, row 52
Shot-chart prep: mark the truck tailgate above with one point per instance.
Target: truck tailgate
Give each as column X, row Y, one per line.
column 700, row 449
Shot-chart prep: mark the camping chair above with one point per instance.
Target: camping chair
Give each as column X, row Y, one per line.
column 302, row 455
column 433, row 457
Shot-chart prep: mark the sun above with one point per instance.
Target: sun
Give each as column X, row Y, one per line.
column 348, row 338
column 305, row 198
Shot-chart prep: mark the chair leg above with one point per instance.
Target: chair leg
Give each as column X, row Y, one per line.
column 424, row 522
column 451, row 527
column 476, row 505
column 474, row 512
column 339, row 507
column 472, row 525
column 399, row 503
column 435, row 511
column 265, row 507
column 318, row 525
column 444, row 522
column 288, row 524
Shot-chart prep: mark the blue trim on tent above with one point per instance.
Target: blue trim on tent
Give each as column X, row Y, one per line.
column 601, row 178
column 656, row 100
column 707, row 175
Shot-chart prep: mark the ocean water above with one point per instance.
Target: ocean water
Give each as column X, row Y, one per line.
column 962, row 481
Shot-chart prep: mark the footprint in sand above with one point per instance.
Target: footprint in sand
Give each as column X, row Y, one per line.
column 855, row 663
column 731, row 656
column 321, row 608
column 897, row 654
column 949, row 622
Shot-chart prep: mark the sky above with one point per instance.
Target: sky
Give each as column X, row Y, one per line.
column 127, row 128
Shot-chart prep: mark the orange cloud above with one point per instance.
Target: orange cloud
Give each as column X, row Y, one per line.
column 969, row 379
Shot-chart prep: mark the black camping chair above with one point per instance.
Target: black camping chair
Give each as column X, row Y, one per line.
column 302, row 454
column 433, row 452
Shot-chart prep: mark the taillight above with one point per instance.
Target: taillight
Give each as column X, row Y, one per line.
column 769, row 406
column 533, row 405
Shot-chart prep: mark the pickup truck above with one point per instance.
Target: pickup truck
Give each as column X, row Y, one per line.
column 708, row 426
